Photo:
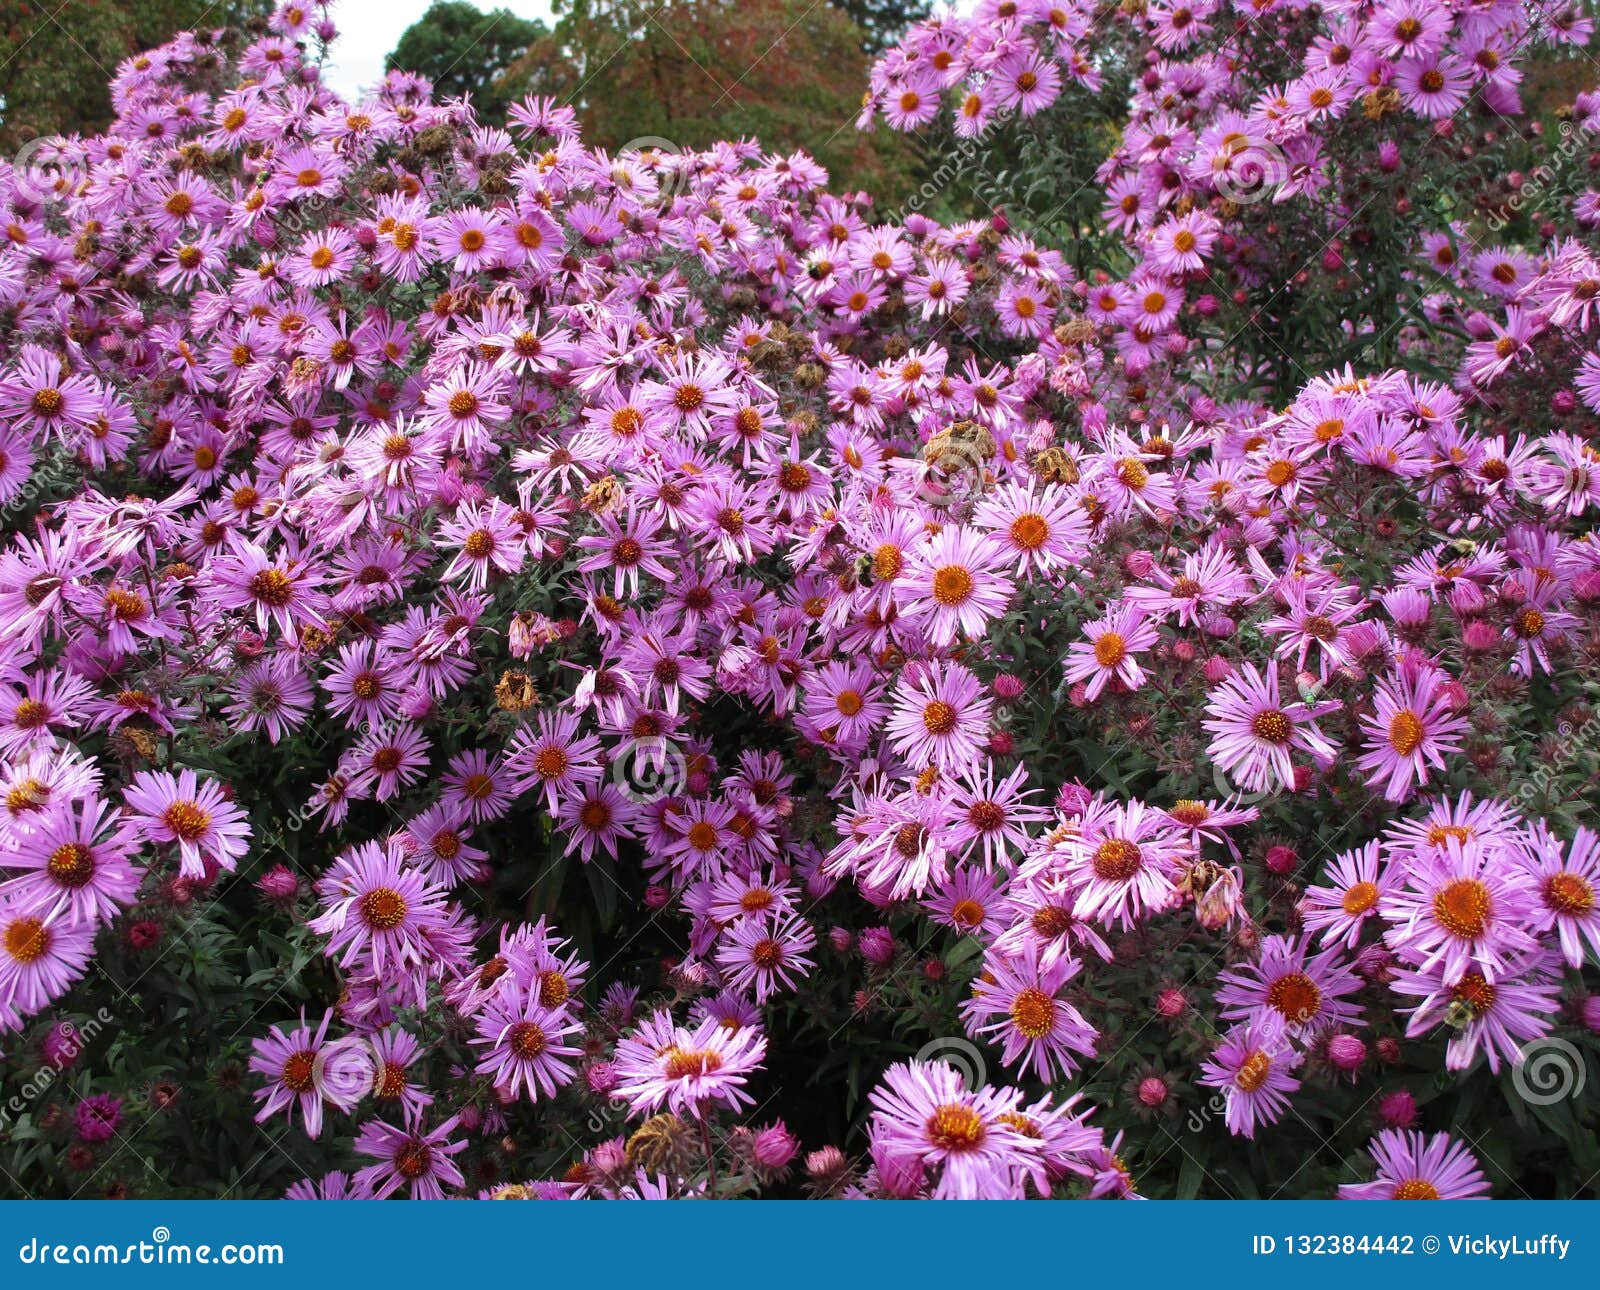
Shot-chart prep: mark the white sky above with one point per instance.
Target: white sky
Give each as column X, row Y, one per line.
column 370, row 29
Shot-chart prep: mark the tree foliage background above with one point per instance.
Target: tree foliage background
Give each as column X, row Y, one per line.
column 463, row 49
column 695, row 71
column 56, row 58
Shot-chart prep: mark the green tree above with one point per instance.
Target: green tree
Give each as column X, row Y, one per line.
column 883, row 22
column 464, row 50
column 788, row 73
column 56, row 59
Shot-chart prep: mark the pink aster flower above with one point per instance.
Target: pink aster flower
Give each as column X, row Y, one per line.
column 525, row 1043
column 554, row 759
column 1109, row 652
column 1465, row 905
column 1412, row 727
column 1567, row 880
column 843, row 703
column 467, row 405
column 38, row 397
column 1251, row 1067
column 687, row 1070
column 76, row 861
column 410, row 1157
column 304, row 1071
column 1019, row 1001
column 760, row 956
column 925, row 1116
column 485, row 539
column 1496, row 1019
column 1285, row 986
column 196, row 816
column 941, row 716
column 39, row 959
column 955, row 585
column 280, row 590
column 1412, row 1166
column 991, row 818
column 1356, row 881
column 379, row 912
column 1254, row 733
column 1124, row 860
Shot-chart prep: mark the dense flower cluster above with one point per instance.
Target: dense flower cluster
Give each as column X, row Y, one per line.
column 832, row 598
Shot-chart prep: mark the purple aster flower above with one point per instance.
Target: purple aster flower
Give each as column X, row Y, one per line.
column 1284, row 986
column 1251, row 1066
column 409, row 1157
column 95, row 1119
column 925, row 1117
column 940, row 717
column 524, row 1044
column 1414, row 1167
column 1018, row 1001
column 1254, row 733
column 304, row 1071
column 76, row 860
column 39, row 959
column 1467, row 905
column 380, row 912
column 196, row 816
column 1496, row 1019
column 686, row 1070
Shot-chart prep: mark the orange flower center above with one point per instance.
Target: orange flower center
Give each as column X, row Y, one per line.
column 298, row 1071
column 1272, row 725
column 955, row 1127
column 1405, row 732
column 188, row 820
column 1359, row 897
column 1033, row 1013
column 272, row 588
column 952, row 585
column 27, row 939
column 1110, row 650
column 1295, row 996
column 72, row 864
column 383, row 908
column 1568, row 893
column 1117, row 860
column 1253, row 1072
column 1463, row 908
column 939, row 717
column 526, row 1040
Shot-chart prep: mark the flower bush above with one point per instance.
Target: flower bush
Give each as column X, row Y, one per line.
column 540, row 672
